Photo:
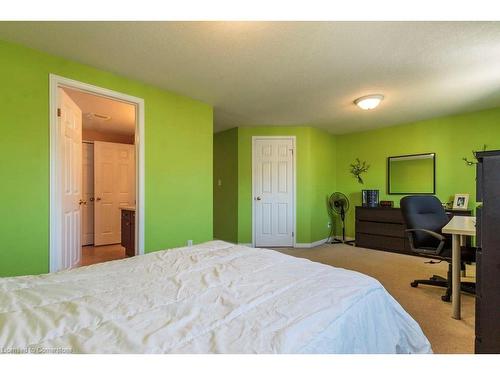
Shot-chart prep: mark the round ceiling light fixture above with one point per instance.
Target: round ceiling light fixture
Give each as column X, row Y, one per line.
column 369, row 101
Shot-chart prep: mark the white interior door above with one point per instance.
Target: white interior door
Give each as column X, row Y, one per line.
column 70, row 125
column 114, row 187
column 273, row 187
column 88, row 194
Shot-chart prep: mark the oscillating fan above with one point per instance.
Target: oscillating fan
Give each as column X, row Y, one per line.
column 338, row 204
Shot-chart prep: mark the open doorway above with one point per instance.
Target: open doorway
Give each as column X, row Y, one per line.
column 97, row 175
column 108, row 175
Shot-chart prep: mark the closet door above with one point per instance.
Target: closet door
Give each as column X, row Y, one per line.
column 273, row 189
column 70, row 125
column 114, row 187
column 88, row 194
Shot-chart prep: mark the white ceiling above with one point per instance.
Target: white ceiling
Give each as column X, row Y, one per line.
column 283, row 73
column 122, row 115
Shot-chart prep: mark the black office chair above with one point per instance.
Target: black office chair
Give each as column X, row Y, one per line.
column 425, row 217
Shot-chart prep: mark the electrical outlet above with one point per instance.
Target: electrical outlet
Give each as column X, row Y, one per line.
column 190, row 243
column 219, row 182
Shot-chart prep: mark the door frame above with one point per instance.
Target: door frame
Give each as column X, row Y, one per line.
column 293, row 138
column 55, row 205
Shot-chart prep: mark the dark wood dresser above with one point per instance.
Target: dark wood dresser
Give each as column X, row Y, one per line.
column 383, row 228
column 488, row 253
column 128, row 231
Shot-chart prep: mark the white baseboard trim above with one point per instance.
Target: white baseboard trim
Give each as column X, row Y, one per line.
column 297, row 245
column 306, row 245
column 320, row 242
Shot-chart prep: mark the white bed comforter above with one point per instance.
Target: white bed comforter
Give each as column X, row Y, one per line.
column 211, row 298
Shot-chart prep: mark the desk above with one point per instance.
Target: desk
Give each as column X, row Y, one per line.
column 459, row 227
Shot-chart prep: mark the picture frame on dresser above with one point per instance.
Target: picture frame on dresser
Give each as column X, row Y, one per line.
column 461, row 201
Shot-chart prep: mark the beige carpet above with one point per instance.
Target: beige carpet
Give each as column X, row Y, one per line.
column 395, row 272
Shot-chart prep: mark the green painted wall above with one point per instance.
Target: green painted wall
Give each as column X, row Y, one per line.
column 315, row 179
column 323, row 177
column 451, row 138
column 178, row 149
column 226, row 193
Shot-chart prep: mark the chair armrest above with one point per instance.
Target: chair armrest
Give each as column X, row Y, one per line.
column 429, row 232
column 438, row 236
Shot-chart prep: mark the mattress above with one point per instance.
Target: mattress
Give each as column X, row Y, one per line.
column 215, row 297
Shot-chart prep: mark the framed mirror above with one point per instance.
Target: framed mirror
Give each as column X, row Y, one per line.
column 412, row 174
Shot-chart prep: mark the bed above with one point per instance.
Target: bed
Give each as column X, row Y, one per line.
column 215, row 297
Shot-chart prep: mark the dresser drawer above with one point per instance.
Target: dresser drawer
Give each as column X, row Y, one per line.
column 386, row 215
column 372, row 241
column 383, row 229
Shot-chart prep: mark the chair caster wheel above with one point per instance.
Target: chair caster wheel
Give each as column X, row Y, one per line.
column 414, row 284
column 446, row 298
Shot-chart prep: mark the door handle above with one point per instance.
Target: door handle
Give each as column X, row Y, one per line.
column 258, row 198
column 98, row 199
column 92, row 199
column 81, row 201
